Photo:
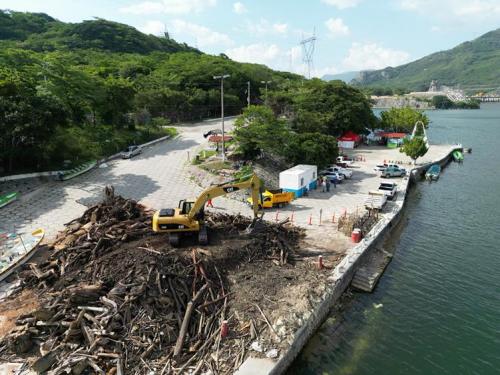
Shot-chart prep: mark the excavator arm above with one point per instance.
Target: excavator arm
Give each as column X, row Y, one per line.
column 251, row 182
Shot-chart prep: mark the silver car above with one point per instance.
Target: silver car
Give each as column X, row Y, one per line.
column 131, row 151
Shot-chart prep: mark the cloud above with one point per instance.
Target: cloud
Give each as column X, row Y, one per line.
column 202, row 35
column 280, row 28
column 239, row 8
column 153, row 27
column 435, row 29
column 259, row 53
column 373, row 56
column 342, row 4
column 169, row 6
column 467, row 10
column 275, row 57
column 266, row 28
column 336, row 27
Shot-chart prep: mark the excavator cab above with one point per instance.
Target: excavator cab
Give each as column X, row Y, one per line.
column 185, row 206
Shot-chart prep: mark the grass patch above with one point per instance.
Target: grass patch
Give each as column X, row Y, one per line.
column 215, row 166
column 245, row 170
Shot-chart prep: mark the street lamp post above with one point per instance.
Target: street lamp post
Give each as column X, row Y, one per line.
column 248, row 94
column 266, row 83
column 221, row 77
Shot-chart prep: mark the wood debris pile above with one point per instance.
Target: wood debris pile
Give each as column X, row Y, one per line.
column 365, row 222
column 117, row 299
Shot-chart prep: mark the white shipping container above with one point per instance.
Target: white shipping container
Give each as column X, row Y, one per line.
column 298, row 179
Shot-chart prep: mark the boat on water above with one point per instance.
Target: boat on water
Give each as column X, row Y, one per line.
column 66, row 175
column 458, row 156
column 7, row 198
column 17, row 249
column 433, row 172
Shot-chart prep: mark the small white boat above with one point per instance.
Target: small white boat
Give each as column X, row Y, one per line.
column 17, row 249
column 433, row 172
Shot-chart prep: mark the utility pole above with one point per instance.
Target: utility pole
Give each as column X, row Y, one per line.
column 221, row 77
column 248, row 94
column 266, row 83
column 308, row 52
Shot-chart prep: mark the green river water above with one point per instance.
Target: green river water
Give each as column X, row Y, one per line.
column 436, row 309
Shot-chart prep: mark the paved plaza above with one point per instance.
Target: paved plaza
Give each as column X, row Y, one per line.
column 159, row 178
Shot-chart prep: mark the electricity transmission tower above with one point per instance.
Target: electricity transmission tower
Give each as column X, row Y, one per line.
column 308, row 52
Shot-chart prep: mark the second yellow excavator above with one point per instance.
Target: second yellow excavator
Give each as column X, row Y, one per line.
column 189, row 216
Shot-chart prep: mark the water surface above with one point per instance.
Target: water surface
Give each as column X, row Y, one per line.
column 440, row 295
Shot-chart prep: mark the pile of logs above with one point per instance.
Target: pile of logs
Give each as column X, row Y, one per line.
column 366, row 221
column 112, row 303
column 268, row 240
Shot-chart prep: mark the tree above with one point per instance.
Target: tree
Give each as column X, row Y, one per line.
column 441, row 102
column 402, row 119
column 414, row 148
column 311, row 148
column 342, row 107
column 119, row 94
column 258, row 129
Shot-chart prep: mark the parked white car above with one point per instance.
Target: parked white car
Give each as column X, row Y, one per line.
column 381, row 167
column 344, row 161
column 347, row 173
column 389, row 189
column 131, row 151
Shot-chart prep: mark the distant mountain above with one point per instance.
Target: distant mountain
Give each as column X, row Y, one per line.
column 346, row 76
column 40, row 32
column 469, row 64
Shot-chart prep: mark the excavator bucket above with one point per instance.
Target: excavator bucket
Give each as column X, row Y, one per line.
column 255, row 225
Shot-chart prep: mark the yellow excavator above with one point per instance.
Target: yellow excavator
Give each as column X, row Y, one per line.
column 189, row 216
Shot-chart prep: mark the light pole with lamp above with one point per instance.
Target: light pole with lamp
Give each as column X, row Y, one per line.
column 221, row 77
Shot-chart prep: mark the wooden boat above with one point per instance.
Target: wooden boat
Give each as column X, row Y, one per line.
column 7, row 198
column 66, row 175
column 458, row 156
column 17, row 249
column 433, row 172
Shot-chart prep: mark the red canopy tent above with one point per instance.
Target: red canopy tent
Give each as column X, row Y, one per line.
column 394, row 135
column 350, row 136
column 349, row 140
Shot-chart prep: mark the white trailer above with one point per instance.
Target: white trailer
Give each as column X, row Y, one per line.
column 299, row 179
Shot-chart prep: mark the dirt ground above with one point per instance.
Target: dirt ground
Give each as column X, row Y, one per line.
column 11, row 309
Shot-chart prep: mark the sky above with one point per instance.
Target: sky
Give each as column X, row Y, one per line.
column 351, row 35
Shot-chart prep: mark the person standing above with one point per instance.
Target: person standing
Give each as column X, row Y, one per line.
column 323, row 185
column 328, row 185
column 209, row 203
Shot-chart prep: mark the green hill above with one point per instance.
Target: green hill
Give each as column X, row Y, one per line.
column 40, row 32
column 472, row 63
column 85, row 90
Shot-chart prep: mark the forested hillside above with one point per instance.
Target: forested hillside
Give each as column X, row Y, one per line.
column 80, row 91
column 469, row 64
column 83, row 91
